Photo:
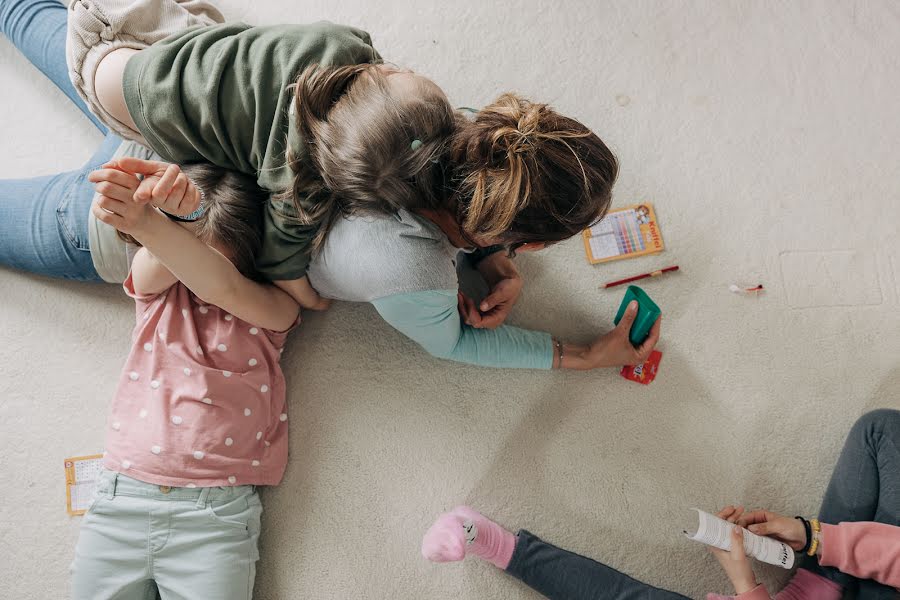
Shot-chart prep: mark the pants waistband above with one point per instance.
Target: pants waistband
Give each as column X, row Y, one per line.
column 111, row 484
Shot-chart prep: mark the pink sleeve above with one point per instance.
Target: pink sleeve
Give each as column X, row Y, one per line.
column 141, row 301
column 865, row 550
column 757, row 593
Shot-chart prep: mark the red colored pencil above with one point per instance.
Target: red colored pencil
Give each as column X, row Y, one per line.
column 641, row 276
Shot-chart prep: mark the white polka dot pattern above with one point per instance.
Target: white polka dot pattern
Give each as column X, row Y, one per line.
column 228, row 441
column 232, row 479
column 177, row 420
column 252, row 362
column 155, row 449
column 148, row 347
column 198, row 454
column 221, row 347
column 134, row 376
column 283, row 417
column 247, row 412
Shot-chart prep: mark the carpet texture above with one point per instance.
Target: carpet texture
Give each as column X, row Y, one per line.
column 766, row 135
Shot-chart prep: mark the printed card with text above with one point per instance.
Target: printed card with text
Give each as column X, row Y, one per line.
column 624, row 233
column 82, row 473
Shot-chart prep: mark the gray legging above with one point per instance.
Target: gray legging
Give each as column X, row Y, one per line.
column 865, row 486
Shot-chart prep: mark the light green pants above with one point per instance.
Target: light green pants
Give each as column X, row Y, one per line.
column 139, row 540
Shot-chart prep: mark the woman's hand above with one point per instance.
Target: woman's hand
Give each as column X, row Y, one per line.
column 115, row 205
column 614, row 349
column 505, row 284
column 735, row 562
column 164, row 185
column 784, row 529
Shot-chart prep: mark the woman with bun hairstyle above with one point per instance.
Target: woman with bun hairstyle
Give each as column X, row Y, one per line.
column 514, row 176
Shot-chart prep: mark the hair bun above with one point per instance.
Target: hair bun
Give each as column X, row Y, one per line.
column 518, row 125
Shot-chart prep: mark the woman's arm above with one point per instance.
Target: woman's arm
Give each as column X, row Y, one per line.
column 431, row 318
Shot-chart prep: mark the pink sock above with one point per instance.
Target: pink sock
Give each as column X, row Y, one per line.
column 806, row 585
column 463, row 531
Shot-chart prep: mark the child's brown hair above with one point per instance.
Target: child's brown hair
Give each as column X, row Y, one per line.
column 373, row 146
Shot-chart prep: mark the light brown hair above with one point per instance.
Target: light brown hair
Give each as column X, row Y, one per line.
column 372, row 147
column 233, row 215
column 524, row 173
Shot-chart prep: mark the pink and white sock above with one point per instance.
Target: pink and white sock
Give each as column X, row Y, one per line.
column 463, row 531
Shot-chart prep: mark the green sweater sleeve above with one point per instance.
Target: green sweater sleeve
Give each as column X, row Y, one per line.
column 221, row 94
column 431, row 319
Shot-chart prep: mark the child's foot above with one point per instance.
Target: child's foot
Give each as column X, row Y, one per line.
column 463, row 531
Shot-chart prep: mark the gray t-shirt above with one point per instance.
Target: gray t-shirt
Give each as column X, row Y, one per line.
column 371, row 257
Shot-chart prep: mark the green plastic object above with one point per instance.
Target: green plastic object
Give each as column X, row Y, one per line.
column 647, row 314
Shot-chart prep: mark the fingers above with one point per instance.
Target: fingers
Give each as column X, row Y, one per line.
column 492, row 300
column 469, row 312
column 117, row 207
column 494, row 318
column 179, row 192
column 737, row 543
column 107, row 217
column 140, row 166
column 629, row 316
column 144, row 193
column 163, row 187
column 757, row 516
column 650, row 343
column 112, row 175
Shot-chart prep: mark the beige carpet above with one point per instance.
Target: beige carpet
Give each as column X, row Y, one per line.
column 766, row 134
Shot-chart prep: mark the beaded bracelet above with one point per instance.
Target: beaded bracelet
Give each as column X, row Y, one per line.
column 817, row 529
column 808, row 529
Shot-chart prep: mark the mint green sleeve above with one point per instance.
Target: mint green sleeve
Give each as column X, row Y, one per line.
column 431, row 319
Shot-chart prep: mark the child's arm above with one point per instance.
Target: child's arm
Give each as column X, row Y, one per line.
column 148, row 275
column 212, row 277
column 208, row 274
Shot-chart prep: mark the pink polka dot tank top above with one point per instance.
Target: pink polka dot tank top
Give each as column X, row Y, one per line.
column 201, row 400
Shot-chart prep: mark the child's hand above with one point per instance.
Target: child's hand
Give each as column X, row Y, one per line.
column 164, row 185
column 735, row 562
column 614, row 349
column 304, row 293
column 784, row 529
column 116, row 205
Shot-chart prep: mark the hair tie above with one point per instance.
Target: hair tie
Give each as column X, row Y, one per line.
column 416, row 144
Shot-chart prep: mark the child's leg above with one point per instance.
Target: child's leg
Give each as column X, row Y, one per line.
column 212, row 546
column 555, row 573
column 98, row 28
column 865, row 485
column 111, row 556
column 38, row 30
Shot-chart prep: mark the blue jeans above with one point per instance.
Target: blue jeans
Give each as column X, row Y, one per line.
column 44, row 220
